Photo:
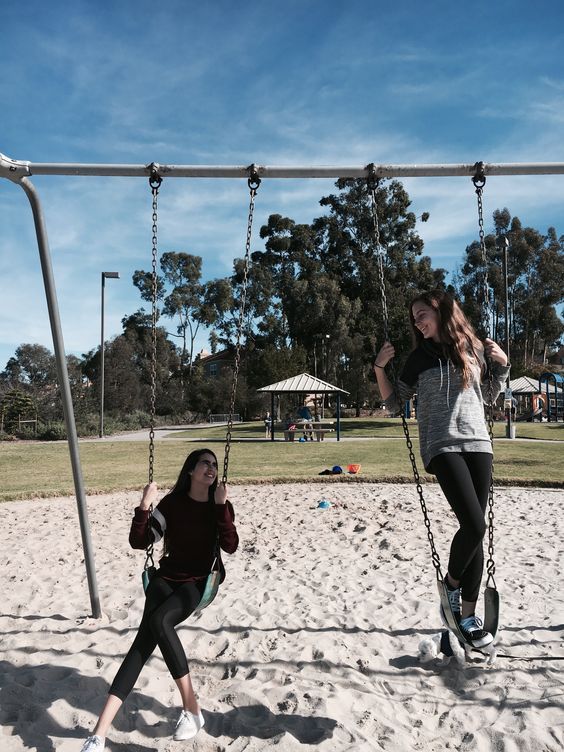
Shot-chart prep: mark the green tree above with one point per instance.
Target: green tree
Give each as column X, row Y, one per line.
column 127, row 369
column 322, row 278
column 182, row 294
column 535, row 288
column 33, row 366
column 16, row 405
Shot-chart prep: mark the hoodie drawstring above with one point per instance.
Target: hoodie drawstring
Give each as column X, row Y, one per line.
column 448, row 379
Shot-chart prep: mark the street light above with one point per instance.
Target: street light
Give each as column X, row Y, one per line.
column 502, row 243
column 105, row 275
column 326, row 354
column 323, row 338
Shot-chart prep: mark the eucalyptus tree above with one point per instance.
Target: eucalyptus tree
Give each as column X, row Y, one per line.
column 314, row 288
column 183, row 299
column 326, row 274
column 535, row 287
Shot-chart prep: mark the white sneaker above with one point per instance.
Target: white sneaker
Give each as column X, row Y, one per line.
column 94, row 744
column 188, row 725
column 471, row 628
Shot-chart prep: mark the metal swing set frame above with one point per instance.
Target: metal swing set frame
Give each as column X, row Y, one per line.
column 20, row 172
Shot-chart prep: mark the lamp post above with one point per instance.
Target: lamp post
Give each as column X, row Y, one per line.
column 323, row 354
column 326, row 339
column 315, row 356
column 503, row 245
column 105, row 275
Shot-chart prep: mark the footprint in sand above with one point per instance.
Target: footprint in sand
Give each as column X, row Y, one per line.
column 230, row 672
column 289, row 704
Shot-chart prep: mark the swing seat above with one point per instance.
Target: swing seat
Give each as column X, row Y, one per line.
column 491, row 610
column 210, row 590
column 147, row 575
column 491, row 613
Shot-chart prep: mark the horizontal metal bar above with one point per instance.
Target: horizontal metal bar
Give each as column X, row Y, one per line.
column 14, row 169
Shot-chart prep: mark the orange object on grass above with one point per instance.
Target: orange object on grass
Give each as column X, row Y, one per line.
column 353, row 469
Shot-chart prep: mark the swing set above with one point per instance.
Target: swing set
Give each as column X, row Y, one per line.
column 19, row 172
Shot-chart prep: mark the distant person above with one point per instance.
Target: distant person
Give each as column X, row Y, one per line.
column 192, row 519
column 513, row 409
column 305, row 414
column 448, row 370
column 267, row 425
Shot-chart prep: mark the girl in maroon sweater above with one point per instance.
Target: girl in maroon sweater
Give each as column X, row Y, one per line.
column 190, row 519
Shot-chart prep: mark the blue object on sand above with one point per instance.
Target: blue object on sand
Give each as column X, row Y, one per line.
column 324, row 504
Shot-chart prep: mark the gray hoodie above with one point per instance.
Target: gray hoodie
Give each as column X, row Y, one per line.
column 450, row 417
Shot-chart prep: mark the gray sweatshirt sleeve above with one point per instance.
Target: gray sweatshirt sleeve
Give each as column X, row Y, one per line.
column 499, row 377
column 404, row 392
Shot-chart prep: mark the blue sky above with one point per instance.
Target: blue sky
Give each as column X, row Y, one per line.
column 287, row 83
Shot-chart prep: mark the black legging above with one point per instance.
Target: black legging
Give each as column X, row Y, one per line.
column 167, row 604
column 465, row 481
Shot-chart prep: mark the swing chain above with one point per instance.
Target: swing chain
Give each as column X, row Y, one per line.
column 372, row 182
column 253, row 182
column 490, row 564
column 434, row 554
column 155, row 181
column 479, row 181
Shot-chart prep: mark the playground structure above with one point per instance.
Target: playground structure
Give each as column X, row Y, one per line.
column 19, row 172
column 554, row 398
column 529, row 403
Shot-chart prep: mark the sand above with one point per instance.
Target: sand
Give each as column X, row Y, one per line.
column 312, row 642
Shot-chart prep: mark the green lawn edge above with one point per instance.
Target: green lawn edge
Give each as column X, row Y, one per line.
column 39, row 470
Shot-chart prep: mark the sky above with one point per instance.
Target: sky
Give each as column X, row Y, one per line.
column 308, row 82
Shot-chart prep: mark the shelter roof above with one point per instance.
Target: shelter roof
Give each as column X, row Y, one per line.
column 302, row 383
column 524, row 385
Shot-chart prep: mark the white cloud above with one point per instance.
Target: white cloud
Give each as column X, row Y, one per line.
column 214, row 84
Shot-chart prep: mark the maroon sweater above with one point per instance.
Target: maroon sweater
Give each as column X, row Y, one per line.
column 190, row 529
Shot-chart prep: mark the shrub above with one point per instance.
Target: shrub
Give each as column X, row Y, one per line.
column 55, row 431
column 26, row 433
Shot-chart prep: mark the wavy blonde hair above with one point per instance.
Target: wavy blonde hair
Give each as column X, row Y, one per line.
column 457, row 336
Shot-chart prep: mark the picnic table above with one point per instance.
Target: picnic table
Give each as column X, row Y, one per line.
column 309, row 428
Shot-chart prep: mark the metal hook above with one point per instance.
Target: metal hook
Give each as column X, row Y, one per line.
column 479, row 178
column 155, row 179
column 372, row 177
column 254, row 180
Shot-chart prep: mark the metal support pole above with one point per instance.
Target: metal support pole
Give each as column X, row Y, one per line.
column 315, row 356
column 105, row 275
column 11, row 168
column 58, row 344
column 102, row 349
column 338, row 416
column 272, row 417
column 503, row 243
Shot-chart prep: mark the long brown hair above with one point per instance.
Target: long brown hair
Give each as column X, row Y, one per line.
column 456, row 334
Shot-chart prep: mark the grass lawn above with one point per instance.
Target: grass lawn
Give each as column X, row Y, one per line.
column 369, row 427
column 43, row 469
